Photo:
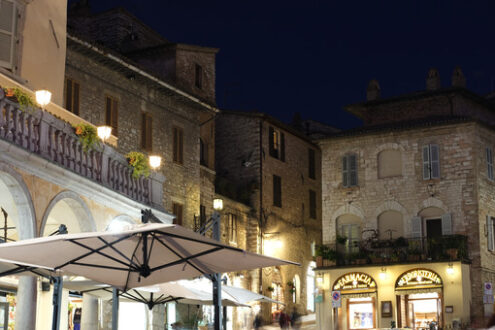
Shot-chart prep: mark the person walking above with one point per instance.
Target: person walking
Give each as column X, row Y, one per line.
column 284, row 320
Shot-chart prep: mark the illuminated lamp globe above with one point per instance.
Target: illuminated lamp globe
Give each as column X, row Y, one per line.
column 155, row 162
column 43, row 97
column 450, row 270
column 104, row 132
column 218, row 204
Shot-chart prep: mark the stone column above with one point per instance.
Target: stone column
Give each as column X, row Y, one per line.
column 25, row 316
column 89, row 317
column 158, row 317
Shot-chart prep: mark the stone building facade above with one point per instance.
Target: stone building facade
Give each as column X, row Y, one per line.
column 419, row 170
column 276, row 170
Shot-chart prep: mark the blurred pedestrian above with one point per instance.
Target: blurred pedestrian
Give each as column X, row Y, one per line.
column 284, row 320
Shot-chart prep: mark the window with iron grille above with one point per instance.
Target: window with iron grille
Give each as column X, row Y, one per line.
column 72, row 96
column 276, row 139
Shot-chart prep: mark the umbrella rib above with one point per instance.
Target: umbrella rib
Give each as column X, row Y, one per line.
column 114, row 249
column 178, row 255
column 92, row 251
column 197, row 240
column 186, row 259
column 96, row 266
column 132, row 258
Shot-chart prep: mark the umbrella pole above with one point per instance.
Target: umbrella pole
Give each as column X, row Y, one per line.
column 57, row 301
column 217, row 278
column 115, row 309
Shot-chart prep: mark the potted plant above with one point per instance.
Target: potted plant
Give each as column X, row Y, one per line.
column 319, row 252
column 376, row 258
column 291, row 287
column 139, row 164
column 18, row 95
column 330, row 257
column 88, row 137
column 342, row 240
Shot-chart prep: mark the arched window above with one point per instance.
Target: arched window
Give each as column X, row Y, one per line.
column 389, row 163
column 349, row 227
column 390, row 225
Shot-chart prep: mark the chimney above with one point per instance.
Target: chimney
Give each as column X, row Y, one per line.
column 433, row 80
column 373, row 90
column 458, row 79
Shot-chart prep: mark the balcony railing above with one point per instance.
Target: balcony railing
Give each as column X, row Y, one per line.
column 41, row 133
column 393, row 251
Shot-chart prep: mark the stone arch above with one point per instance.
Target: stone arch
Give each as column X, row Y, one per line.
column 71, row 201
column 430, row 202
column 347, row 209
column 26, row 216
column 390, row 206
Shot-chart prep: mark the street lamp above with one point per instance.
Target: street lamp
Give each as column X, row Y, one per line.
column 155, row 161
column 218, row 204
column 104, row 132
column 43, row 97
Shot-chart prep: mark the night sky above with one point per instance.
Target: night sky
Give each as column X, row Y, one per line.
column 314, row 57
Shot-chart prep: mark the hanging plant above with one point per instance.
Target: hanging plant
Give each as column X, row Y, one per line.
column 18, row 95
column 88, row 136
column 270, row 289
column 139, row 164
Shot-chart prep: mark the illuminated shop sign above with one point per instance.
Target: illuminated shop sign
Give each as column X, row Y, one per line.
column 354, row 281
column 419, row 278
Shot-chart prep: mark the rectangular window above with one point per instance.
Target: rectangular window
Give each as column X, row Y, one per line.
column 311, row 164
column 202, row 215
column 198, row 77
column 112, row 114
column 146, row 131
column 177, row 211
column 8, row 22
column 72, row 96
column 349, row 170
column 431, row 162
column 490, row 224
column 277, row 191
column 312, row 204
column 489, row 163
column 232, row 228
column 178, row 144
column 276, row 139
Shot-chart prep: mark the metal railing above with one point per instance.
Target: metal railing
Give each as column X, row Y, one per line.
column 53, row 139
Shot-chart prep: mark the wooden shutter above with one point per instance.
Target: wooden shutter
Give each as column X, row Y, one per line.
column 271, row 142
column 177, row 211
column 8, row 13
column 345, row 181
column 489, row 163
column 311, row 164
column 489, row 225
column 416, row 231
column 426, row 162
column 146, row 132
column 447, row 224
column 282, row 147
column 435, row 161
column 353, row 170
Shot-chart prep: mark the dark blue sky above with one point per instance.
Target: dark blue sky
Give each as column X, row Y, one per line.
column 314, row 57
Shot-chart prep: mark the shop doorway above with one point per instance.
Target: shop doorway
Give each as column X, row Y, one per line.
column 433, row 228
column 419, row 310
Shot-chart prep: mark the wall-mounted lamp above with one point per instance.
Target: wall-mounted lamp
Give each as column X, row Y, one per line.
column 450, row 269
column 218, row 204
column 383, row 274
column 104, row 132
column 155, row 161
column 43, row 97
column 319, row 279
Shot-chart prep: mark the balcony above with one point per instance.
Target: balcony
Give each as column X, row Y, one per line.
column 393, row 251
column 41, row 133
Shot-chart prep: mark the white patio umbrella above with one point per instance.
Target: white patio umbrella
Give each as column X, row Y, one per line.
column 244, row 296
column 144, row 255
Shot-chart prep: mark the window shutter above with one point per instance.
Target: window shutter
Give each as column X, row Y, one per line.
column 344, row 172
column 435, row 161
column 489, row 163
column 426, row 162
column 282, row 147
column 271, row 141
column 7, row 31
column 489, row 225
column 447, row 224
column 416, row 231
column 352, row 170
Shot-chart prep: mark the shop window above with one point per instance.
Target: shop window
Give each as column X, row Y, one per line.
column 112, row 114
column 146, row 131
column 489, row 163
column 72, row 96
column 8, row 23
column 431, row 162
column 277, row 143
column 178, row 145
column 177, row 211
column 349, row 170
column 311, row 164
column 389, row 163
column 277, row 191
column 360, row 313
